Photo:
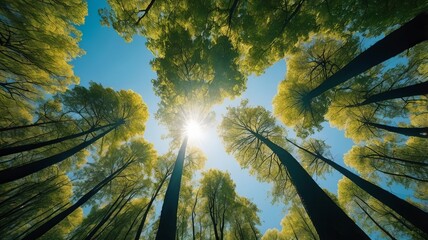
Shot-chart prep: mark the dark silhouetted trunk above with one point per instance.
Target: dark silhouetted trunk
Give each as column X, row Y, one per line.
column 411, row 132
column 32, row 125
column 32, row 146
column 253, row 230
column 328, row 219
column 375, row 222
column 106, row 216
column 231, row 12
column 38, row 232
column 411, row 213
column 145, row 12
column 168, row 219
column 407, row 36
column 148, row 207
column 15, row 173
column 413, row 90
column 194, row 215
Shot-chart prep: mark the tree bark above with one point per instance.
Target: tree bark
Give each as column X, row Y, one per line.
column 168, row 219
column 32, row 146
column 411, row 132
column 413, row 90
column 329, row 220
column 407, row 36
column 38, row 232
column 15, row 173
column 411, row 213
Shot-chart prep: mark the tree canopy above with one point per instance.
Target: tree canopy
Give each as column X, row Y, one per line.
column 75, row 162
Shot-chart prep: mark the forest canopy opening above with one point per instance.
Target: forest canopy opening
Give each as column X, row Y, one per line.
column 193, row 129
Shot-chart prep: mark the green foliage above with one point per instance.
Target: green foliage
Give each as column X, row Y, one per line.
column 372, row 215
column 204, row 52
column 237, row 132
column 313, row 164
column 37, row 42
column 307, row 67
column 392, row 162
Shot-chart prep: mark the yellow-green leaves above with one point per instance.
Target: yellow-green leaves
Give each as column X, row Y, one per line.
column 38, row 40
column 307, row 67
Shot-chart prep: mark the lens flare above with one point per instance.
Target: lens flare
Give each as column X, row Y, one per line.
column 193, row 129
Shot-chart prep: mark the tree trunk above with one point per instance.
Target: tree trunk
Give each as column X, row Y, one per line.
column 407, row 36
column 168, row 219
column 15, row 173
column 375, row 222
column 147, row 209
column 38, row 232
column 32, row 146
column 194, row 215
column 106, row 216
column 411, row 213
column 131, row 195
column 32, row 125
column 411, row 132
column 329, row 220
column 413, row 90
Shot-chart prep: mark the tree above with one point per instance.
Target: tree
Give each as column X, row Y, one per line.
column 394, row 43
column 372, row 215
column 245, row 220
column 116, row 163
column 314, row 150
column 218, row 190
column 123, row 111
column 247, row 130
column 308, row 67
column 295, row 225
column 163, row 171
column 26, row 205
column 391, row 161
column 38, row 42
column 168, row 221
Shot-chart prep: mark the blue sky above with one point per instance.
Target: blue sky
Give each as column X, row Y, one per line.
column 114, row 63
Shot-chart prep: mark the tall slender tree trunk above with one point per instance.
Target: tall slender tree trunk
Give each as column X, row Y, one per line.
column 106, row 216
column 411, row 132
column 413, row 90
column 168, row 219
column 375, row 222
column 411, row 213
column 407, row 36
column 38, row 232
column 15, row 173
column 329, row 220
column 148, row 207
column 33, row 125
column 194, row 215
column 32, row 146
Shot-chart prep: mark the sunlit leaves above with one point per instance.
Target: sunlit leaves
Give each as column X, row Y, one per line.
column 236, row 131
column 307, row 67
column 37, row 42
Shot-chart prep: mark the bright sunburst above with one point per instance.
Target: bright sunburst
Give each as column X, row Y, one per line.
column 193, row 129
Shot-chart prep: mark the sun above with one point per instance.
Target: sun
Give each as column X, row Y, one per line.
column 193, row 129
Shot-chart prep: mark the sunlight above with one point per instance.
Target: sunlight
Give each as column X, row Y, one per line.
column 193, row 130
